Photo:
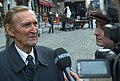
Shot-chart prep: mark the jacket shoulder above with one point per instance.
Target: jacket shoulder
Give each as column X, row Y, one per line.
column 3, row 56
column 45, row 50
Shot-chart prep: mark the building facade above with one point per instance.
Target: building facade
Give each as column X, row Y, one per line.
column 39, row 6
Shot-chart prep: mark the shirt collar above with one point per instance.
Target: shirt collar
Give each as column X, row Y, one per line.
column 24, row 55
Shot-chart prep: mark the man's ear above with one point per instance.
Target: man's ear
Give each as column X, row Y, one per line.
column 9, row 30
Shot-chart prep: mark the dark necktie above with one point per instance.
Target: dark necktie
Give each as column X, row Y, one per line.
column 30, row 67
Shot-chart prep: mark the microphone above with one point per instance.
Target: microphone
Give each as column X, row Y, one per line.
column 63, row 62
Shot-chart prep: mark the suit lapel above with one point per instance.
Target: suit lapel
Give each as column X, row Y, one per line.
column 15, row 60
column 40, row 56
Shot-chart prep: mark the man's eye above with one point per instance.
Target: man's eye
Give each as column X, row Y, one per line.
column 25, row 25
column 35, row 22
column 29, row 24
column 102, row 27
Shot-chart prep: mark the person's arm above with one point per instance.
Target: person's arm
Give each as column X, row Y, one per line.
column 75, row 76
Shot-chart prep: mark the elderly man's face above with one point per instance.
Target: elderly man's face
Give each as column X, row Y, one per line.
column 26, row 29
column 101, row 40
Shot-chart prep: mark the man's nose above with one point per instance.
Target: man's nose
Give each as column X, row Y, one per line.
column 34, row 28
column 96, row 32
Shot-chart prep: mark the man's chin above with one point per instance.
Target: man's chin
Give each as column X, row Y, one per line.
column 99, row 44
column 32, row 43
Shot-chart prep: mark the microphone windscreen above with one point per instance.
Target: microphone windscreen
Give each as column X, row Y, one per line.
column 59, row 51
column 62, row 59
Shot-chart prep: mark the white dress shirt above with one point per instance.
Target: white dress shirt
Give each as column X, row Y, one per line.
column 24, row 55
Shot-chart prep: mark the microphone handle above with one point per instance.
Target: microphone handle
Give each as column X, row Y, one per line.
column 67, row 73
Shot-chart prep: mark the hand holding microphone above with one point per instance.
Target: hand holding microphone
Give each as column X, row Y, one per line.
column 63, row 62
column 75, row 76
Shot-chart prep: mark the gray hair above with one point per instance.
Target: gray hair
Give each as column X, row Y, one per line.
column 10, row 17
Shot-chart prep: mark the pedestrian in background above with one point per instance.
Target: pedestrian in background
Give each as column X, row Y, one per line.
column 51, row 18
column 90, row 20
column 63, row 20
column 45, row 18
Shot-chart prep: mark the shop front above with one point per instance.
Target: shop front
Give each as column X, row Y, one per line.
column 1, row 8
column 78, row 9
column 21, row 2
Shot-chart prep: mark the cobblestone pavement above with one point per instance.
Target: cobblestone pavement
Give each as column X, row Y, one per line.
column 80, row 44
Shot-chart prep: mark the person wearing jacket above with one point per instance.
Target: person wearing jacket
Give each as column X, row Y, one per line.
column 105, row 42
column 22, row 26
column 51, row 18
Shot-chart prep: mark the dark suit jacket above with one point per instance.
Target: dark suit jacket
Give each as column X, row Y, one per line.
column 12, row 66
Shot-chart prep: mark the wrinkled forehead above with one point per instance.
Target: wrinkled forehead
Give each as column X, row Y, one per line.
column 25, row 14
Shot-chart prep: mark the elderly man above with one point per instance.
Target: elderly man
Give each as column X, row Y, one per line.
column 23, row 60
